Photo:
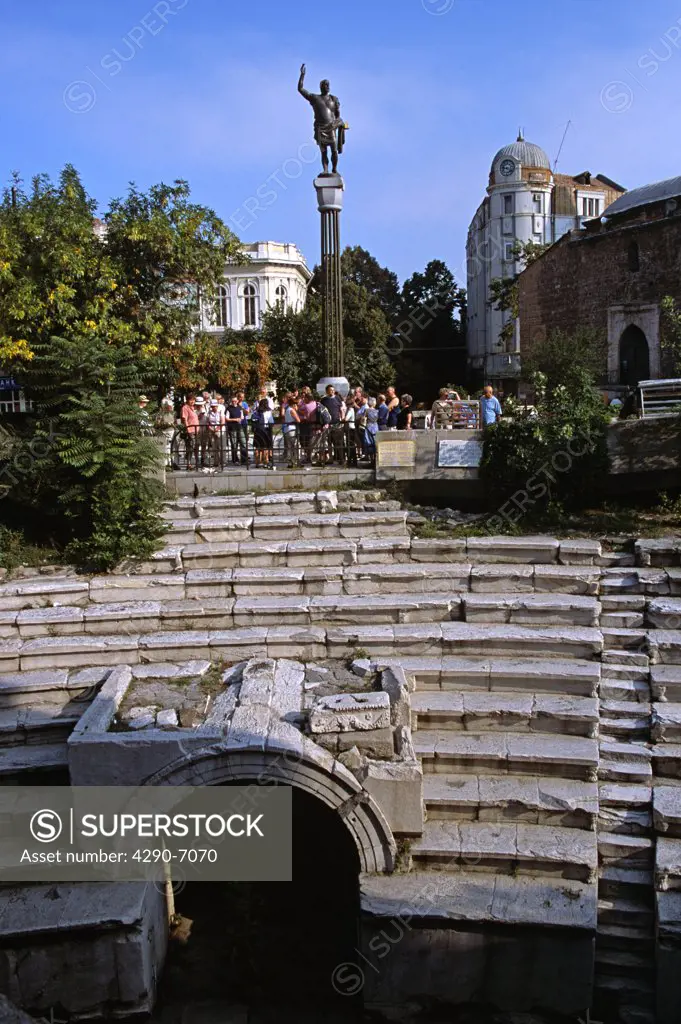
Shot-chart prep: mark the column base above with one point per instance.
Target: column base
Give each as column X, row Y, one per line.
column 341, row 385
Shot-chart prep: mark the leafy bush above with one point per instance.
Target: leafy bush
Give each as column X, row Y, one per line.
column 556, row 458
column 87, row 467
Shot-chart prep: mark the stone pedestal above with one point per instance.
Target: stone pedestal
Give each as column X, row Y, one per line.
column 329, row 188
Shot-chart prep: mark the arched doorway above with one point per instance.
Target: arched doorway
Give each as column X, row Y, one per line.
column 273, row 946
column 280, row 932
column 634, row 356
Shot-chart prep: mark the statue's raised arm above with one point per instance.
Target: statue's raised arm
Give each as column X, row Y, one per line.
column 301, row 80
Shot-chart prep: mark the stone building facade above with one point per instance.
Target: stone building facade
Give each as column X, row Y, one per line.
column 276, row 273
column 526, row 202
column 612, row 277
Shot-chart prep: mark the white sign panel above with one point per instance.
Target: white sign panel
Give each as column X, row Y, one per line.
column 459, row 454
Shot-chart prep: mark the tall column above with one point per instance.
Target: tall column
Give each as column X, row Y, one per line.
column 329, row 189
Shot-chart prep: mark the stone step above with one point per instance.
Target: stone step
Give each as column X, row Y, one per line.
column 489, row 753
column 506, row 848
column 620, row 690
column 625, row 851
column 518, row 712
column 622, row 620
column 666, row 723
column 667, row 760
column 652, row 582
column 614, row 769
column 667, row 810
column 307, row 642
column 350, row 525
column 623, row 639
column 525, row 550
column 283, row 503
column 664, row 612
column 626, row 820
column 535, row 801
column 620, row 963
column 39, row 723
column 625, row 937
column 472, row 896
column 624, row 762
column 532, row 609
column 659, row 551
column 665, row 683
column 523, row 641
column 619, row 911
column 537, row 675
column 26, row 759
column 57, row 687
column 625, row 882
column 665, row 646
column 668, row 864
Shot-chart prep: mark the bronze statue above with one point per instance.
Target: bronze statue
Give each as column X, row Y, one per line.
column 329, row 128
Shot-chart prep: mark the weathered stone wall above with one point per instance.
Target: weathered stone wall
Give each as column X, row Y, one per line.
column 578, row 279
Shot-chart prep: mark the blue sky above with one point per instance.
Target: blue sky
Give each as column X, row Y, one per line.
column 206, row 90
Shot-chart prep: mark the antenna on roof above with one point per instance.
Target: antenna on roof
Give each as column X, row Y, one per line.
column 560, row 148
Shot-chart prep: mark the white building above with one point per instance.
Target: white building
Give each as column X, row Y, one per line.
column 276, row 273
column 526, row 202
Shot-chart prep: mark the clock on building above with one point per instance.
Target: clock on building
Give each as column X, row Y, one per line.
column 507, row 167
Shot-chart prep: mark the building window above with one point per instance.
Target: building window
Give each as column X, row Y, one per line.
column 508, row 205
column 536, row 201
column 585, row 207
column 509, row 255
column 633, row 257
column 281, row 296
column 249, row 306
column 220, row 310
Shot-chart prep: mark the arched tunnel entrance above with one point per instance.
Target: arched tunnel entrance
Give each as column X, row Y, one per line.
column 272, row 947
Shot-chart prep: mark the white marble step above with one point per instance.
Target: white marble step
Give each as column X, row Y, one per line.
column 518, row 712
column 489, row 753
column 621, row 690
column 56, row 686
column 621, row 911
column 625, row 851
column 667, row 760
column 532, row 609
column 522, row 641
column 534, row 800
column 470, row 896
column 666, row 723
column 507, row 848
column 665, row 683
column 537, row 675
column 625, row 882
column 665, row 646
column 29, row 758
column 668, row 864
column 667, row 810
column 39, row 723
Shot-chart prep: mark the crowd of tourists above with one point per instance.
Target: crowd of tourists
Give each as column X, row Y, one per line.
column 214, row 431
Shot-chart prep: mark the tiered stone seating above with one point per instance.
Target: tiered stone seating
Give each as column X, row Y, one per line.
column 545, row 689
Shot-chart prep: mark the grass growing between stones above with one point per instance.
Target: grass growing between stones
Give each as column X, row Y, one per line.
column 610, row 521
column 17, row 552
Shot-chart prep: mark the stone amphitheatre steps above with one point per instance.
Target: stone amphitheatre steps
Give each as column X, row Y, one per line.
column 544, row 678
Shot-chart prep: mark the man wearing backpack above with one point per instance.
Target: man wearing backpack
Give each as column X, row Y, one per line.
column 334, row 407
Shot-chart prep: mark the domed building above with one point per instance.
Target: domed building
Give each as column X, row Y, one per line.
column 526, row 201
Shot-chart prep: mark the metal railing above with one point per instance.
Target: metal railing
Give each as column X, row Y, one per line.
column 222, row 449
column 659, row 398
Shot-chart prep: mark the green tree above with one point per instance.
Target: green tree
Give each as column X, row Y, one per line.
column 670, row 335
column 504, row 291
column 563, row 357
column 555, row 458
column 86, row 467
column 294, row 341
column 431, row 331
column 91, row 312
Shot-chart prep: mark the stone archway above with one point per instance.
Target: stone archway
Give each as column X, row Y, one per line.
column 634, row 356
column 645, row 317
column 305, row 766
